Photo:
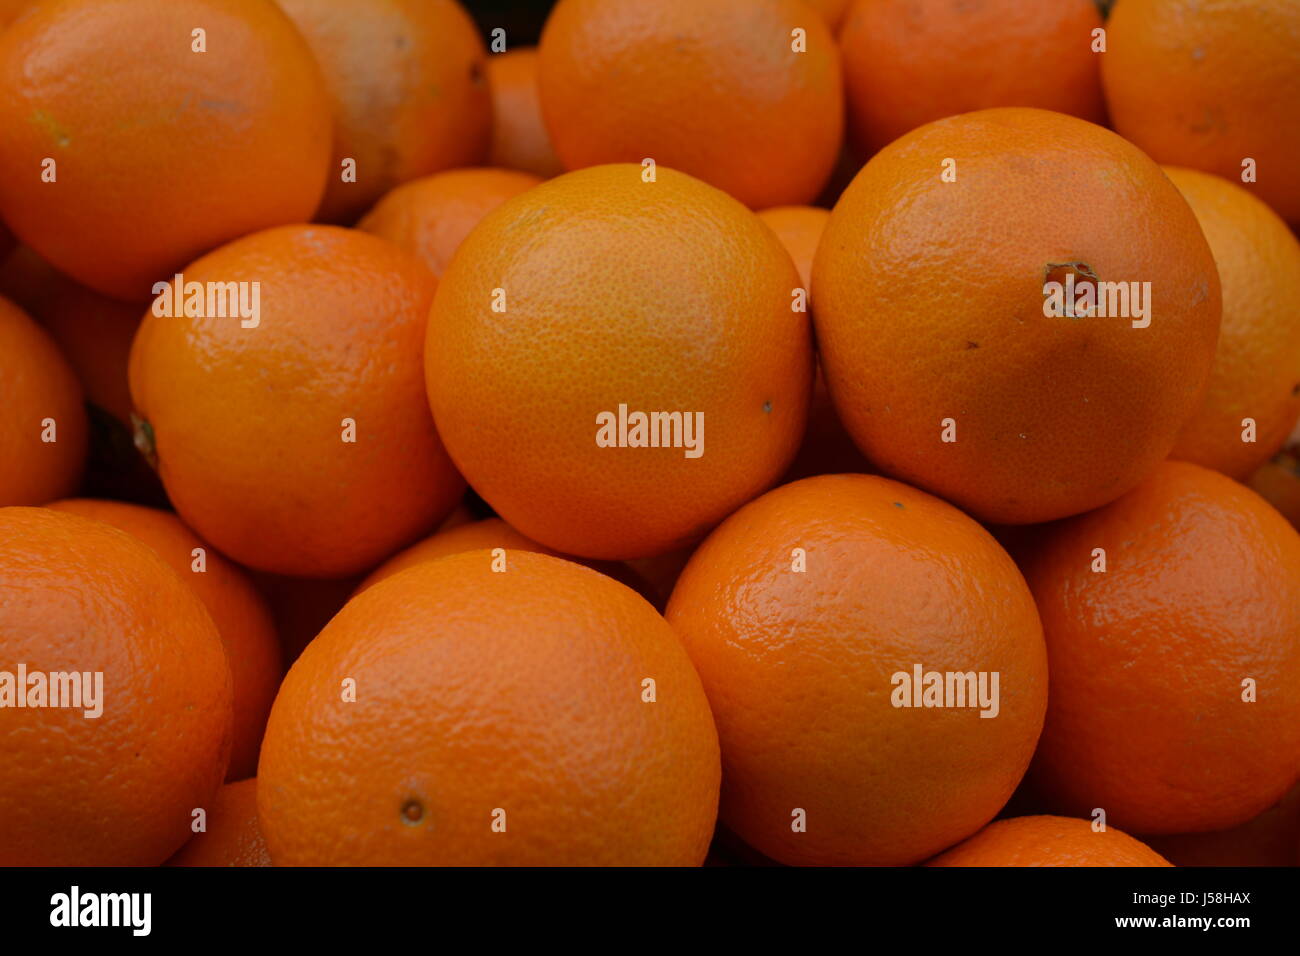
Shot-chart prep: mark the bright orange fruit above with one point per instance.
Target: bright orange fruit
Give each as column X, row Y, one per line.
column 232, row 837
column 519, row 136
column 541, row 746
column 1174, row 670
column 1049, row 841
column 596, row 296
column 931, row 300
column 801, row 611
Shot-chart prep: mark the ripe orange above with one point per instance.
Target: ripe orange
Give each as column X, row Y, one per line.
column 431, row 217
column 714, row 88
column 115, row 789
column 42, row 420
column 406, row 81
column 799, row 228
column 1051, row 415
column 9, row 10
column 1154, row 660
column 1256, row 372
column 542, row 747
column 238, row 611
column 301, row 607
column 162, row 163
column 1209, row 86
column 232, row 837
column 657, row 297
column 475, row 536
column 1279, row 479
column 1269, row 839
column 250, row 426
column 519, row 137
column 908, row 62
column 1049, row 841
column 799, row 667
column 832, row 11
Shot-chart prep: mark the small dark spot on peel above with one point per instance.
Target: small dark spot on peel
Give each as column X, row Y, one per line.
column 767, row 407
column 412, row 812
column 972, row 345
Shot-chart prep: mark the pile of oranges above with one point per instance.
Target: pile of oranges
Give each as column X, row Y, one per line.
column 732, row 431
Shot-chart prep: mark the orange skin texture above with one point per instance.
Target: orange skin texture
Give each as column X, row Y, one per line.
column 407, row 87
column 1269, row 839
column 799, row 228
column 519, row 136
column 832, row 11
column 1208, row 85
column 798, row 669
column 1146, row 717
column 909, row 62
column 537, row 675
column 1256, row 371
column 232, row 837
column 181, row 152
column 709, row 87
column 38, row 384
column 247, row 423
column 1049, row 841
column 77, row 594
column 431, row 217
column 1054, row 415
column 665, row 296
column 1279, row 480
column 236, row 608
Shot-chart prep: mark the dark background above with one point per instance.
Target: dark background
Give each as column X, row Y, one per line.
column 521, row 19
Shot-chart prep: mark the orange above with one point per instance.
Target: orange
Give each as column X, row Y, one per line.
column 488, row 533
column 952, row 376
column 9, row 10
column 651, row 297
column 803, row 613
column 1279, row 479
column 406, row 81
column 519, row 137
column 1174, row 671
column 232, row 837
column 1209, row 86
column 1049, row 841
column 182, row 151
column 28, row 280
column 799, row 228
column 302, row 445
column 80, row 598
column 719, row 89
column 1269, row 839
column 42, row 420
column 431, row 217
column 238, row 611
column 1256, row 372
column 542, row 716
column 908, row 62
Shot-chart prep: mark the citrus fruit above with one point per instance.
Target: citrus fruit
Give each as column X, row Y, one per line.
column 519, row 136
column 545, row 715
column 1279, row 479
column 183, row 150
column 232, row 837
column 406, row 83
column 714, row 88
column 801, row 611
column 474, row 536
column 832, row 11
column 1269, row 839
column 236, row 608
column 430, row 217
column 1211, row 86
column 301, row 607
column 949, row 355
column 1174, row 670
column 300, row 444
column 1049, row 841
column 909, row 62
column 596, row 297
column 42, row 420
column 799, row 228
column 1256, row 373
column 141, row 733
